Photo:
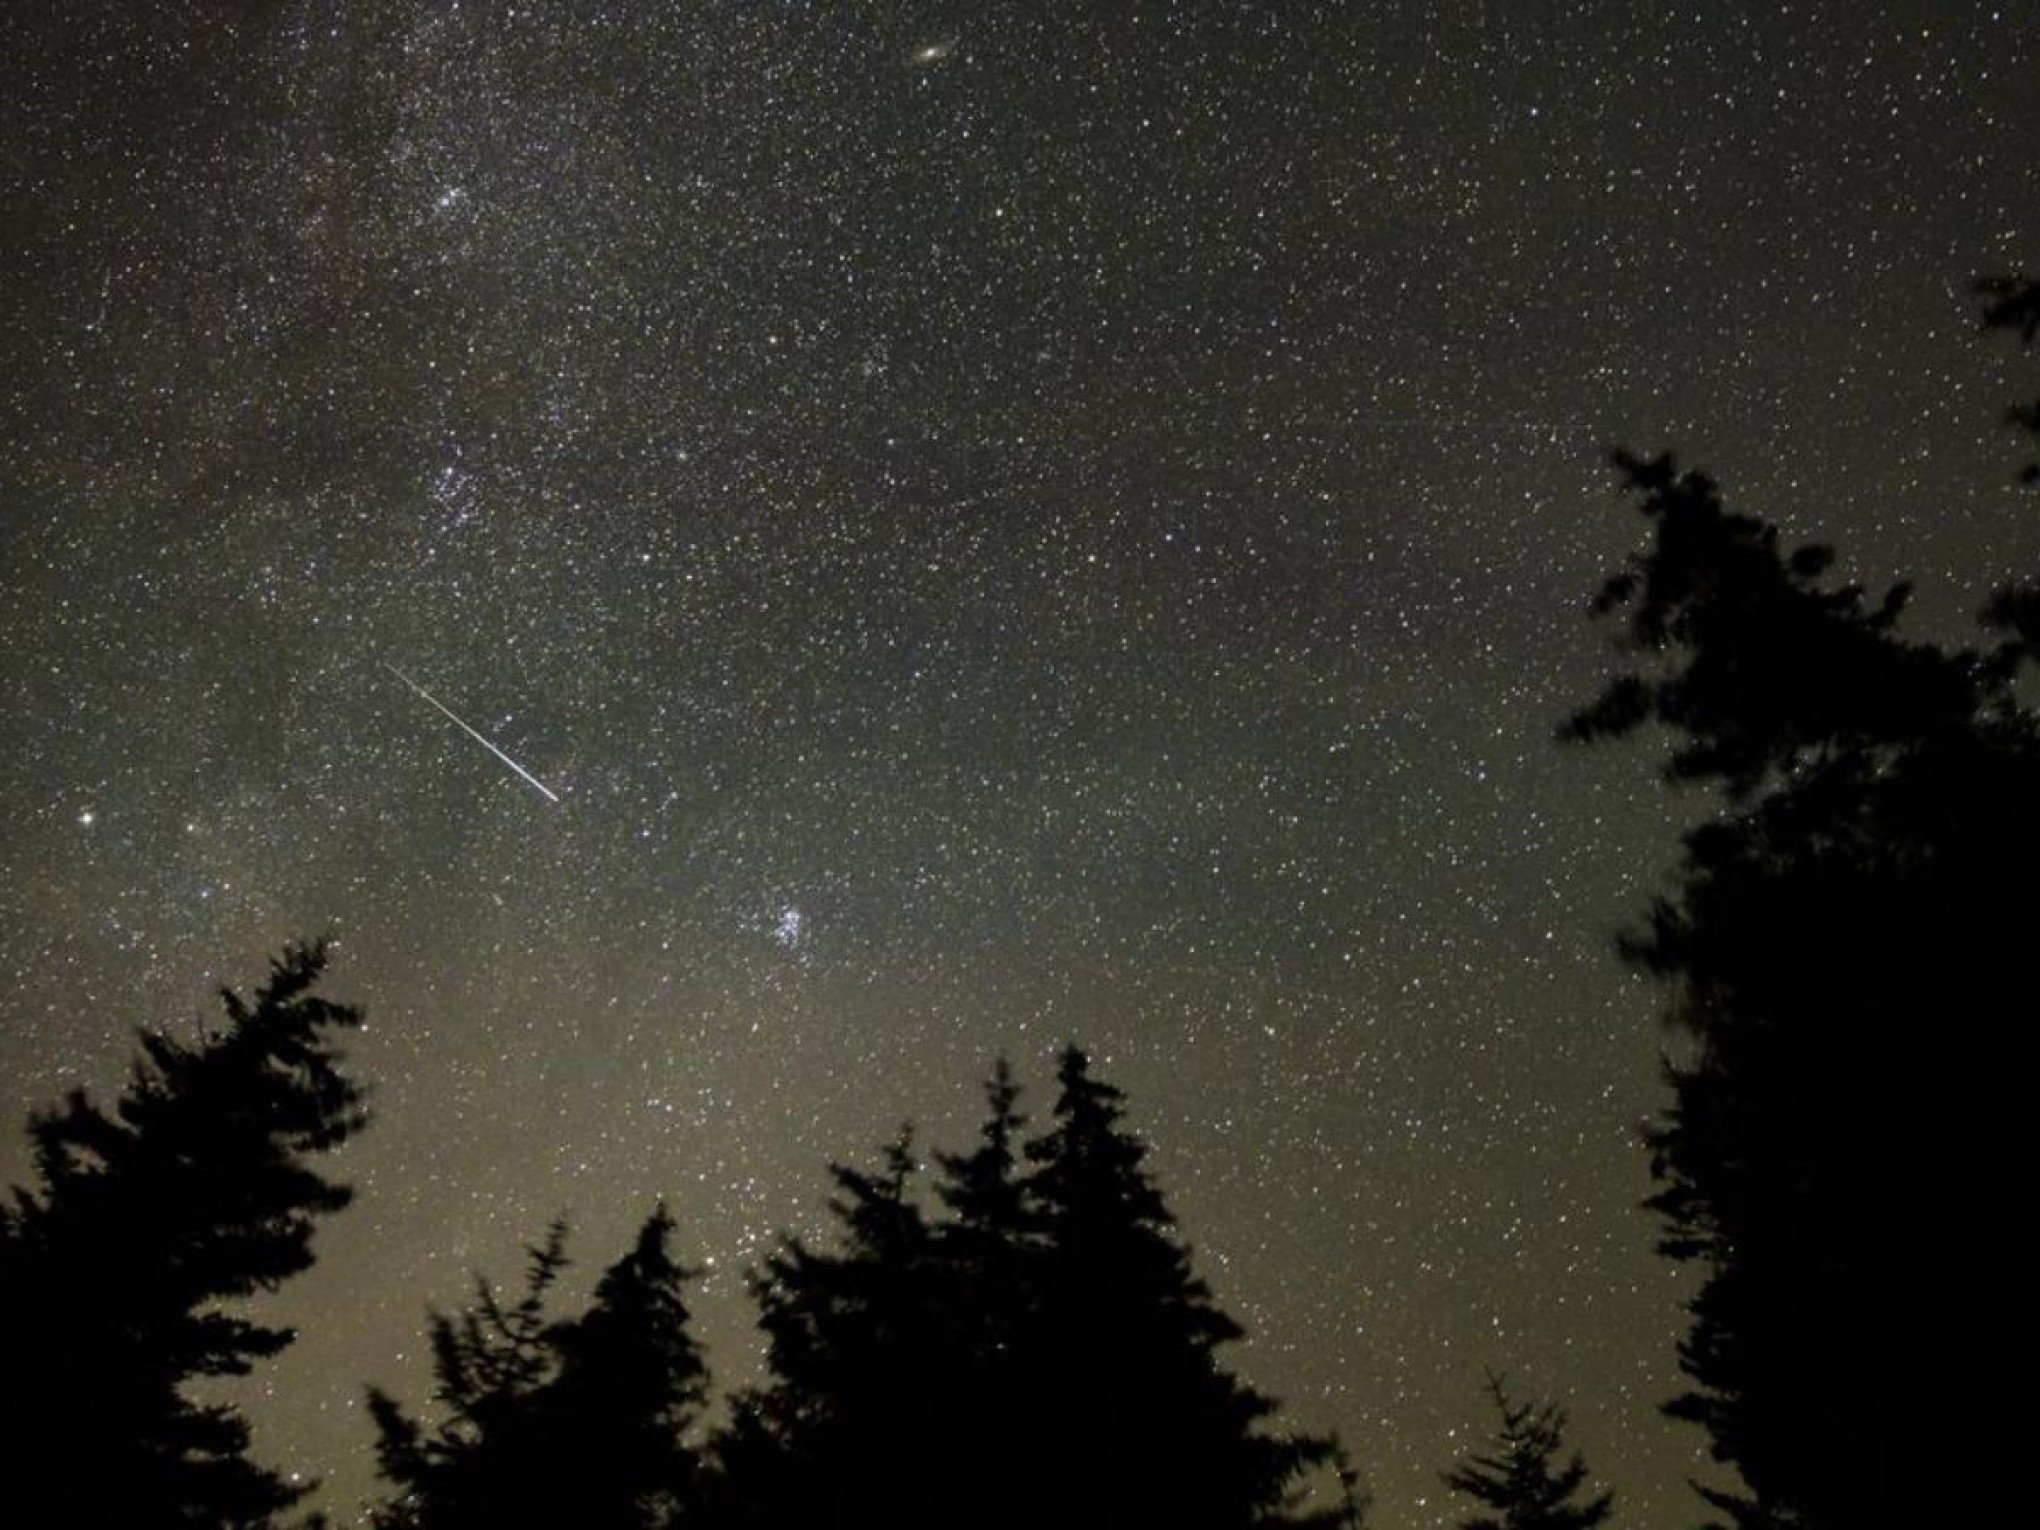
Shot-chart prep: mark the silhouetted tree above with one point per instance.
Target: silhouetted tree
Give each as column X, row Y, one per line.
column 631, row 1387
column 982, row 1188
column 1350, row 1513
column 489, row 1365
column 1849, row 945
column 1041, row 1355
column 578, row 1422
column 1145, row 1425
column 1521, row 1481
column 842, row 1432
column 985, row 1306
column 197, row 1190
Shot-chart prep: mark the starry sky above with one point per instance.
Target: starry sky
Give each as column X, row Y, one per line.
column 989, row 526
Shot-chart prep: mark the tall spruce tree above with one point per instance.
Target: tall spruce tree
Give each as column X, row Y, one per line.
column 1039, row 1355
column 556, row 1422
column 982, row 1188
column 631, row 1387
column 1522, row 1482
column 1849, row 949
column 480, row 1464
column 196, row 1190
column 846, row 1429
column 1144, row 1423
column 987, row 1309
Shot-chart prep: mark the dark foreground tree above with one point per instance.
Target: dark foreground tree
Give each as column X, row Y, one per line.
column 580, row 1422
column 489, row 1365
column 1849, row 945
column 1041, row 1355
column 196, row 1190
column 852, row 1426
column 1524, row 1481
column 630, row 1389
column 1132, row 1395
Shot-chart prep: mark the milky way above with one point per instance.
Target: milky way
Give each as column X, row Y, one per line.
column 997, row 527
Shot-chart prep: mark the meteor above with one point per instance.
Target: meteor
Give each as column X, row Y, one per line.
column 550, row 794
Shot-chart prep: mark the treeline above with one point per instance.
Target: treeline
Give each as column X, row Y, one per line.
column 1021, row 1342
column 922, row 1369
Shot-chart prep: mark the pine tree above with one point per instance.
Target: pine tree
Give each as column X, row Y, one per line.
column 196, row 1191
column 1041, row 1355
column 842, row 1431
column 579, row 1422
column 1145, row 1424
column 982, row 1188
column 631, row 1387
column 479, row 1466
column 1520, row 1482
column 1850, row 956
column 985, row 1305
column 986, row 1261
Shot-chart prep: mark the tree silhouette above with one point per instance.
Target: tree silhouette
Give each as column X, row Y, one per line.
column 555, row 1422
column 631, row 1386
column 1040, row 1355
column 1520, row 1481
column 1848, row 945
column 1137, row 1406
column 197, row 1190
column 845, row 1429
column 982, row 1188
column 986, row 1308
column 489, row 1365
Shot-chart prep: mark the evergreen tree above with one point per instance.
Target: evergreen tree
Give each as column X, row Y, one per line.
column 1354, row 1499
column 1041, row 1355
column 578, row 1422
column 196, row 1191
column 1520, row 1482
column 1145, row 1425
column 982, row 1188
column 489, row 1365
column 631, row 1386
column 843, row 1431
column 1849, row 948
column 987, row 1301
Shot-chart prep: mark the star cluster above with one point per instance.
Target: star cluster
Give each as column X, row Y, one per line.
column 1000, row 525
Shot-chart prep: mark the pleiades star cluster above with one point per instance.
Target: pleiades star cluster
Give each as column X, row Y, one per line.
column 745, row 560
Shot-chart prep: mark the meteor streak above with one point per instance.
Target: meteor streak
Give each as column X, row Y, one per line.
column 550, row 794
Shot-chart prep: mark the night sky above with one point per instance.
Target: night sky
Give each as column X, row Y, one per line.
column 996, row 525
